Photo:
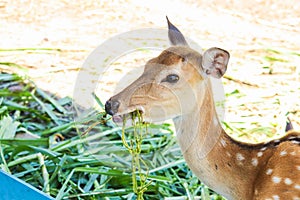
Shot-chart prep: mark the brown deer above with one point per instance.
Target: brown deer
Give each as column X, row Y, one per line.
column 176, row 85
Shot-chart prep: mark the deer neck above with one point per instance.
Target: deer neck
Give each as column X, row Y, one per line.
column 211, row 153
column 202, row 125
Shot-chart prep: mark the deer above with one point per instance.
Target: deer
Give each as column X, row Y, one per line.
column 177, row 85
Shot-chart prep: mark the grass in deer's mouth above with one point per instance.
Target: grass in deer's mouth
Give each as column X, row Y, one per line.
column 134, row 147
column 131, row 116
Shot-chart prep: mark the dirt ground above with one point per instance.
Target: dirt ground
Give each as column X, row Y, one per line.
column 263, row 38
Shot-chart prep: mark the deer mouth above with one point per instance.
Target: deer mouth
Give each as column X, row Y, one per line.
column 128, row 117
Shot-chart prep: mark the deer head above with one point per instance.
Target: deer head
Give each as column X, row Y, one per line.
column 172, row 84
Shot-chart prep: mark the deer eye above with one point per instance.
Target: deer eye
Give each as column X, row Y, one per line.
column 171, row 78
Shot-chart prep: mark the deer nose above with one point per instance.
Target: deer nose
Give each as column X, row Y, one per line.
column 112, row 106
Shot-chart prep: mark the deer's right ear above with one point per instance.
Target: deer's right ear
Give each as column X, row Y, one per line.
column 175, row 36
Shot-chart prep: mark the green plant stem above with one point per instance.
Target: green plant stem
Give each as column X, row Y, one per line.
column 45, row 173
column 134, row 147
column 23, row 159
column 3, row 165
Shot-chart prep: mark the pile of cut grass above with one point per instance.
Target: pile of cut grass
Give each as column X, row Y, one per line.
column 42, row 143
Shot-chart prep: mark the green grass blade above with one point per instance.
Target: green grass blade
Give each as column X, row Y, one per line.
column 51, row 100
column 61, row 192
column 86, row 139
column 167, row 166
column 23, row 159
column 43, row 142
column 47, row 110
column 9, row 77
column 99, row 102
column 60, row 128
column 10, row 64
column 8, row 128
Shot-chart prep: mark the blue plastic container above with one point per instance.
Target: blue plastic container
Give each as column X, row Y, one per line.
column 12, row 188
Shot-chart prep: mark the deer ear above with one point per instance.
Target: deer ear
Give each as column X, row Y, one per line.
column 214, row 62
column 175, row 36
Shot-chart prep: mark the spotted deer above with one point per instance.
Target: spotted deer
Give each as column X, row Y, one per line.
column 176, row 85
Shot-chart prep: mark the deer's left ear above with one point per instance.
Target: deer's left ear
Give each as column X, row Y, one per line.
column 214, row 62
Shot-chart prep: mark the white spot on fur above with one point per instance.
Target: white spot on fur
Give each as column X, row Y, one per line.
column 269, row 171
column 276, row 197
column 288, row 181
column 263, row 149
column 240, row 157
column 296, row 198
column 293, row 153
column 276, row 179
column 298, row 167
column 254, row 162
column 223, row 142
column 259, row 154
column 283, row 153
column 297, row 187
column 295, row 142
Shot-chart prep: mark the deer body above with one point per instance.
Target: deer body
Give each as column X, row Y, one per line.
column 176, row 85
column 235, row 169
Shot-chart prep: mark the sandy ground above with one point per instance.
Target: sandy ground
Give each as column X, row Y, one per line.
column 263, row 38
